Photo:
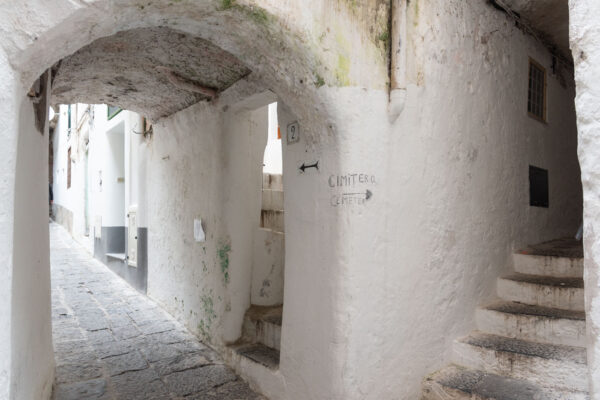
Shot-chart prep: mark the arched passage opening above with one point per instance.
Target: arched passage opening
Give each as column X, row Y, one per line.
column 209, row 81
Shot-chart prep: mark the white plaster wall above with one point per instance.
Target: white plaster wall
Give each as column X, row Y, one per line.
column 10, row 99
column 455, row 192
column 585, row 46
column 30, row 324
column 268, row 259
column 205, row 165
column 36, row 34
column 184, row 178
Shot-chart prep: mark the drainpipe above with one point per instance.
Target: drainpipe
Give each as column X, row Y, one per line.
column 398, row 38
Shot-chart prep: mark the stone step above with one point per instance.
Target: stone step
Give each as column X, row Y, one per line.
column 533, row 323
column 454, row 382
column 272, row 199
column 259, row 353
column 272, row 181
column 545, row 291
column 263, row 325
column 271, row 219
column 532, row 264
column 548, row 365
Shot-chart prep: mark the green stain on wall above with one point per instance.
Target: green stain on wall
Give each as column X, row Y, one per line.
column 257, row 14
column 210, row 316
column 223, row 255
column 319, row 81
column 342, row 71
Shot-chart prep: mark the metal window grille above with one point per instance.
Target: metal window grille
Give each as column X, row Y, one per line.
column 536, row 98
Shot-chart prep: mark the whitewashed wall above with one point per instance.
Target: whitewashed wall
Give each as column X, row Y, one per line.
column 10, row 99
column 370, row 286
column 457, row 193
column 585, row 46
column 205, row 165
column 32, row 358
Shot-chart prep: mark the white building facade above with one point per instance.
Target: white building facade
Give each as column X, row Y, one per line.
column 423, row 145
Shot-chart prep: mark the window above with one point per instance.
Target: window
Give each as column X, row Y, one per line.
column 538, row 187
column 112, row 111
column 536, row 98
column 69, row 168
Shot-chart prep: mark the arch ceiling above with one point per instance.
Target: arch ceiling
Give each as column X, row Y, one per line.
column 548, row 17
column 157, row 71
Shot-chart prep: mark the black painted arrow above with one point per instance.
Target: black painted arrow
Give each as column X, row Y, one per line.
column 305, row 167
column 368, row 194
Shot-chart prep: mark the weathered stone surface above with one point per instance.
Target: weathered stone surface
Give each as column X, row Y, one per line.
column 237, row 390
column 143, row 384
column 68, row 373
column 198, row 379
column 92, row 389
column 180, row 363
column 139, row 352
column 140, row 85
column 125, row 362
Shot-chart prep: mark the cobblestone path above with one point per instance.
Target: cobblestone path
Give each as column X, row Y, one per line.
column 111, row 342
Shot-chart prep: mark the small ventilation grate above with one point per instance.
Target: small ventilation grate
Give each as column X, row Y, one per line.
column 538, row 187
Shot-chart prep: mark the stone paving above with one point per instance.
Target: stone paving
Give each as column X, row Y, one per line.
column 111, row 342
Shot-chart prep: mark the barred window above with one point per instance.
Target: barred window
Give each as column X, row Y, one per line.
column 536, row 98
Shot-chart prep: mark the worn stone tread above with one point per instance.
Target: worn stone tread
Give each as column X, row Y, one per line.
column 453, row 381
column 511, row 307
column 563, row 247
column 576, row 283
column 260, row 353
column 532, row 349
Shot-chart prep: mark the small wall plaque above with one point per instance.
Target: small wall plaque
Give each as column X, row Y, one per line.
column 293, row 133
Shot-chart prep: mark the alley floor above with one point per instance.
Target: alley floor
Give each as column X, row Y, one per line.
column 111, row 342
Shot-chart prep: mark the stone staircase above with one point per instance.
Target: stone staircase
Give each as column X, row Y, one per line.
column 529, row 345
column 261, row 335
column 261, row 331
column 271, row 215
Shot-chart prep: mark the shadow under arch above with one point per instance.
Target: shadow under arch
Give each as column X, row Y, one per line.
column 278, row 61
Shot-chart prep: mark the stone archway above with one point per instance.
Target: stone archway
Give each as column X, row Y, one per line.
column 282, row 55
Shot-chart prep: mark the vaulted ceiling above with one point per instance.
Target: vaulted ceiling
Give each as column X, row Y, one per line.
column 549, row 17
column 154, row 71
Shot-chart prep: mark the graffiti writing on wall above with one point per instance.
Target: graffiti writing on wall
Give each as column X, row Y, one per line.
column 351, row 189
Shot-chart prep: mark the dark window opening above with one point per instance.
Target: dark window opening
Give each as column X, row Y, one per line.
column 536, row 97
column 538, row 187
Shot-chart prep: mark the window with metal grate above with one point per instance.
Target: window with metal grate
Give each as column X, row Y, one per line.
column 536, row 97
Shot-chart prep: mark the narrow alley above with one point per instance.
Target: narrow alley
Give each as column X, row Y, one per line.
column 112, row 342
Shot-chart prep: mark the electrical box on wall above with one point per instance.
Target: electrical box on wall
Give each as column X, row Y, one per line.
column 132, row 236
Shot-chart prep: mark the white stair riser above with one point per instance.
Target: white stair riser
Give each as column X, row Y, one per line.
column 435, row 391
column 272, row 199
column 546, row 296
column 545, row 372
column 272, row 181
column 548, row 266
column 532, row 328
column 272, row 220
column 263, row 332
